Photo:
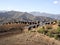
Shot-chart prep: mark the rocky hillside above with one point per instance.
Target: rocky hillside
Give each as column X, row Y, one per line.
column 29, row 38
column 24, row 16
column 56, row 16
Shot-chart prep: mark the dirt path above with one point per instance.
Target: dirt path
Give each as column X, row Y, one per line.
column 30, row 38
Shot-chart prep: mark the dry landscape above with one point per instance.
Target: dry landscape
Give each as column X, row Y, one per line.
column 16, row 37
column 28, row 38
column 29, row 22
column 27, row 29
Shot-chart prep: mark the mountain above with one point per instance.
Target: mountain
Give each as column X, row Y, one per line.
column 15, row 15
column 56, row 16
column 9, row 16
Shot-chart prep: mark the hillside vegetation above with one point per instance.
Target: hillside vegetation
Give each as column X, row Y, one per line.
column 50, row 30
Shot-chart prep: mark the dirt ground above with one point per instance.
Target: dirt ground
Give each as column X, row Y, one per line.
column 28, row 38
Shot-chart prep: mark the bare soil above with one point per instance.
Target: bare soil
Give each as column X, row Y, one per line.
column 28, row 38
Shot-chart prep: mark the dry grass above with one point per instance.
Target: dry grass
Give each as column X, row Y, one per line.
column 15, row 37
column 29, row 38
column 12, row 26
column 11, row 29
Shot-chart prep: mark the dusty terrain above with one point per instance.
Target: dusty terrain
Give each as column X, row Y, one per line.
column 28, row 38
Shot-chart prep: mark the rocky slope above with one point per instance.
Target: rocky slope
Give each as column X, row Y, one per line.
column 29, row 38
column 56, row 16
column 24, row 16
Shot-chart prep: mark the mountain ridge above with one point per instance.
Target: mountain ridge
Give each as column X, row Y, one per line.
column 24, row 16
column 56, row 16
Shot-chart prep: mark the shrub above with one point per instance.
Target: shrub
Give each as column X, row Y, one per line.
column 49, row 34
column 58, row 30
column 33, row 31
column 56, row 36
column 41, row 30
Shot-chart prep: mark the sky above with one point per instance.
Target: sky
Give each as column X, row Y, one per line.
column 47, row 6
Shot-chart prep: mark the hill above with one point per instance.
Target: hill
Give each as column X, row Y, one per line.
column 29, row 38
column 56, row 16
column 9, row 16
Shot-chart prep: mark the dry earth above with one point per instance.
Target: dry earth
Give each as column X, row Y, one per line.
column 28, row 38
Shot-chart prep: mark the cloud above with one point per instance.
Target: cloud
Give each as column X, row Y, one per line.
column 55, row 2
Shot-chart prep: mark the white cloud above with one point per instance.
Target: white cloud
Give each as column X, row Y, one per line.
column 55, row 2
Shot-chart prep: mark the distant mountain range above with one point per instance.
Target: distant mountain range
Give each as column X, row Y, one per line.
column 56, row 16
column 9, row 16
